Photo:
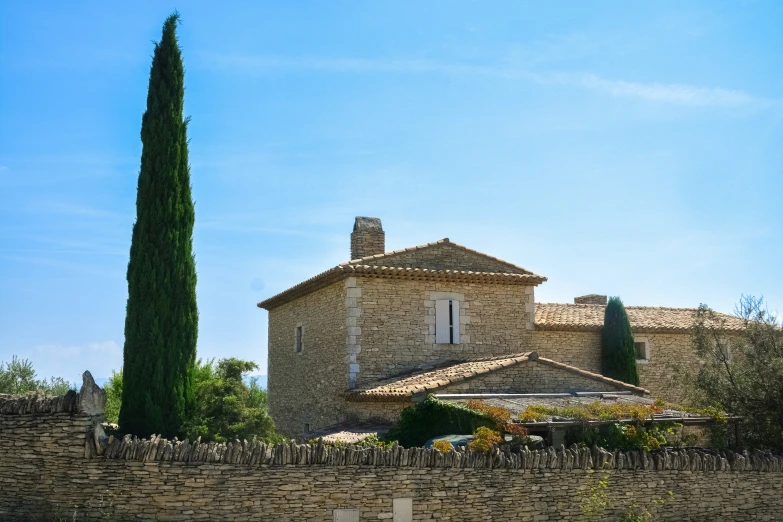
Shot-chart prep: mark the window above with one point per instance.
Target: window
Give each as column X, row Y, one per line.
column 642, row 347
column 346, row 515
column 447, row 321
column 298, row 346
column 306, row 428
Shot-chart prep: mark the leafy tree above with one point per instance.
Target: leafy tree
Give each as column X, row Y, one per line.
column 161, row 323
column 618, row 355
column 227, row 408
column 18, row 376
column 742, row 373
column 113, row 387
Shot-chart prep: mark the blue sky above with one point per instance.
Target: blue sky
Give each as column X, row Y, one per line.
column 625, row 148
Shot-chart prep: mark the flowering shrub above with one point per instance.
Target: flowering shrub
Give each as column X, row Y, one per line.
column 442, row 445
column 501, row 417
column 484, row 439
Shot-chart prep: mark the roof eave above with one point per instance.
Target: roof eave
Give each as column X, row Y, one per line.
column 341, row 271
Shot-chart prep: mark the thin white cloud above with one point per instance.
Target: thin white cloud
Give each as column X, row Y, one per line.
column 664, row 93
column 670, row 93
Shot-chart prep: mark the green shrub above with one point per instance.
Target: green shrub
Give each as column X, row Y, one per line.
column 431, row 417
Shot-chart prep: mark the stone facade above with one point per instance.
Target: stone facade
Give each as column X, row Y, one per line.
column 49, row 471
column 306, row 387
column 668, row 354
column 397, row 323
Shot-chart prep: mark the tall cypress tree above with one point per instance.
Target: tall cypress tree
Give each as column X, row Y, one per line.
column 618, row 355
column 161, row 323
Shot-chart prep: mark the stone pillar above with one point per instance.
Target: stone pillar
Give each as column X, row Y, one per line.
column 367, row 238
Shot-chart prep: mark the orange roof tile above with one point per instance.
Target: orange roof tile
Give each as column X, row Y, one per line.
column 588, row 317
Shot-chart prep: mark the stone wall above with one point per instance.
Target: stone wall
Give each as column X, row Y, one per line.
column 580, row 349
column 50, row 470
column 396, row 324
column 307, row 387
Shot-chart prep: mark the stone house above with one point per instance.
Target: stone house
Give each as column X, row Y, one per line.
column 364, row 338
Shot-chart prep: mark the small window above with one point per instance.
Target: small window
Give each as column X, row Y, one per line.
column 306, row 428
column 642, row 351
column 346, row 515
column 447, row 321
column 299, row 341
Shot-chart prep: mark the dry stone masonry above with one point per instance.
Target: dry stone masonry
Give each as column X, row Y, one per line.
column 55, row 465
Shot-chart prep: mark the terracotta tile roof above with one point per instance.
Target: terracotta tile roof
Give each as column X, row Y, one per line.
column 403, row 388
column 378, row 258
column 588, row 317
column 348, row 431
column 342, row 271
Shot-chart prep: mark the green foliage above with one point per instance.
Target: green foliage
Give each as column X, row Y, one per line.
column 595, row 502
column 742, row 373
column 594, row 499
column 18, row 376
column 111, row 412
column 484, row 439
column 627, row 437
column 618, row 356
column 227, row 408
column 431, row 418
column 161, row 324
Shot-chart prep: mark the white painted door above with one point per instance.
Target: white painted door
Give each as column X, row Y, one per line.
column 402, row 509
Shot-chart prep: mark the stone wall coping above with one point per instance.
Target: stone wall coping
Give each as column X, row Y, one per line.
column 258, row 453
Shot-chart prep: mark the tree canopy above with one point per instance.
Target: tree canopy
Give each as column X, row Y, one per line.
column 742, row 373
column 18, row 376
column 226, row 407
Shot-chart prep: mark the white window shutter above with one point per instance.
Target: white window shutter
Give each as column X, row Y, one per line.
column 442, row 335
column 455, row 320
column 446, row 321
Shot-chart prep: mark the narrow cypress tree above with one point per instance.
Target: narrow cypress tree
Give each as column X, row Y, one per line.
column 618, row 355
column 161, row 322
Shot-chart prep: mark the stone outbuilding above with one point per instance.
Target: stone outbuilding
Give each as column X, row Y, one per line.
column 443, row 317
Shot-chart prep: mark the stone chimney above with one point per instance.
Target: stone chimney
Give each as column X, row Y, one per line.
column 593, row 299
column 367, row 238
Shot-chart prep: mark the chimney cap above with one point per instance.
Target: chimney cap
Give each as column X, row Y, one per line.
column 367, row 223
column 591, row 299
